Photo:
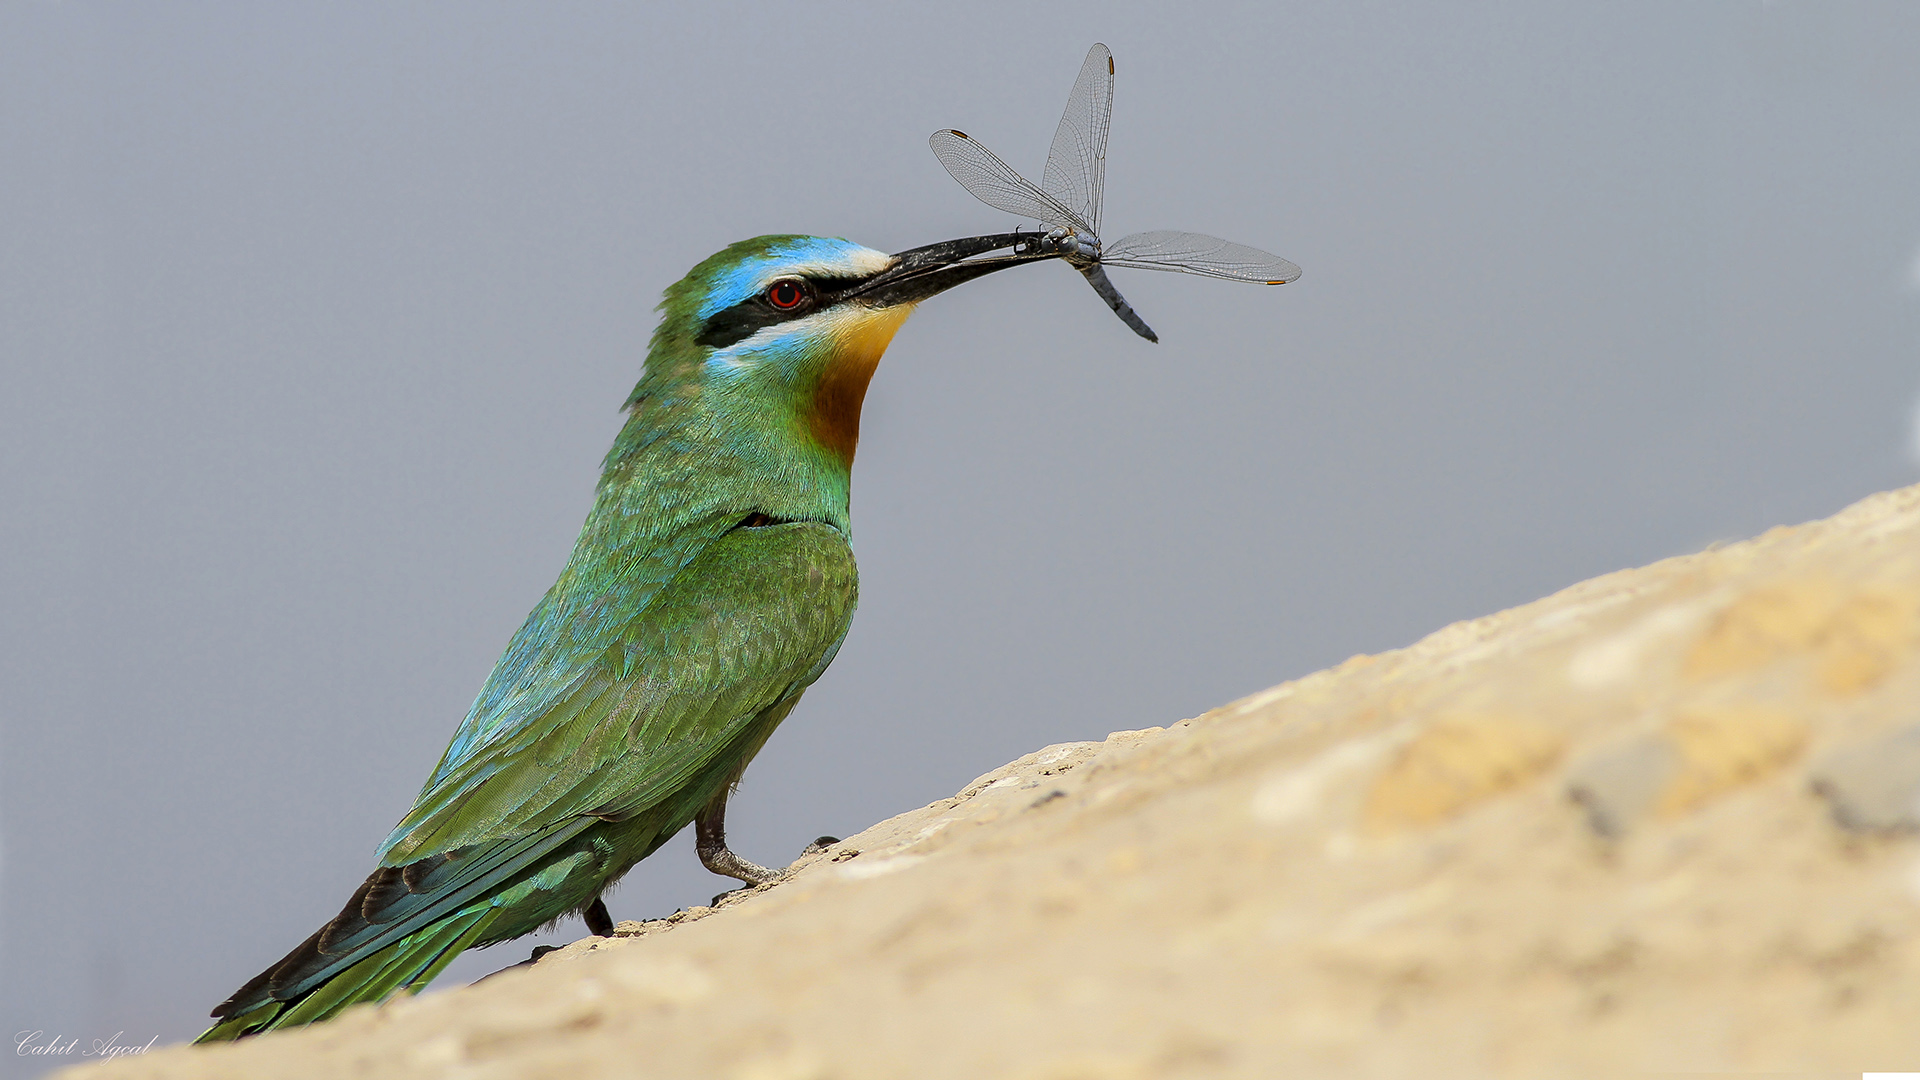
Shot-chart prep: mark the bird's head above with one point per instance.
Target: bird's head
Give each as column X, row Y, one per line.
column 797, row 324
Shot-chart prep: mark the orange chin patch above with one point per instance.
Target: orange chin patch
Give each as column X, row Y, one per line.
column 860, row 338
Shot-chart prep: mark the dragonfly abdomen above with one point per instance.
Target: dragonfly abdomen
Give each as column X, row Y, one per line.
column 1097, row 277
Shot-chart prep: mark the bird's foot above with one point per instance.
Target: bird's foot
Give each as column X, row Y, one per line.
column 723, row 861
column 710, row 841
column 733, row 866
column 820, row 843
column 599, row 923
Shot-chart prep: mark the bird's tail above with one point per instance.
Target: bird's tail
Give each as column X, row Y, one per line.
column 406, row 923
column 407, row 964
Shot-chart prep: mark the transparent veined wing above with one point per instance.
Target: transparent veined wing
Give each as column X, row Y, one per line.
column 994, row 182
column 1077, row 161
column 1198, row 253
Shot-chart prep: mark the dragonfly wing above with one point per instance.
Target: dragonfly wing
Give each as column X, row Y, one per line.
column 1077, row 162
column 1198, row 253
column 994, row 182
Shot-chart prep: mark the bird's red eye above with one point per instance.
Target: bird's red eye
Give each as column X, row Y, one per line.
column 786, row 294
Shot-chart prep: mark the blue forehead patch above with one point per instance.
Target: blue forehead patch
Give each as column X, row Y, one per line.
column 787, row 255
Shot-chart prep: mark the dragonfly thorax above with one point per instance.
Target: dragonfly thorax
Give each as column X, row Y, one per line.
column 1076, row 248
column 1066, row 243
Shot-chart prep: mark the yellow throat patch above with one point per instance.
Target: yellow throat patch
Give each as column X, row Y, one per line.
column 860, row 337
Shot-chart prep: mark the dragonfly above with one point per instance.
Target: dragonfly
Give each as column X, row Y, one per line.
column 1067, row 202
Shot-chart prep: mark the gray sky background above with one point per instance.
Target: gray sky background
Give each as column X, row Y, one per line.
column 315, row 320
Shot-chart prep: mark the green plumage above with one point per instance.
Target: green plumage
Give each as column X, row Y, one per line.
column 710, row 586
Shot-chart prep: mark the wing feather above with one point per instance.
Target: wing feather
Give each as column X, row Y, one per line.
column 741, row 628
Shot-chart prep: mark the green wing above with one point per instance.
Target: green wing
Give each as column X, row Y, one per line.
column 495, row 844
column 750, row 622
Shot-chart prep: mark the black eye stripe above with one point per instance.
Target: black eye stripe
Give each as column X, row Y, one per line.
column 730, row 326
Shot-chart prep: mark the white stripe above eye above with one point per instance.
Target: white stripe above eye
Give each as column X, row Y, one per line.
column 859, row 262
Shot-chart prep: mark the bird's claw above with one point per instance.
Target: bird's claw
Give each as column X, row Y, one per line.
column 725, row 863
column 772, row 877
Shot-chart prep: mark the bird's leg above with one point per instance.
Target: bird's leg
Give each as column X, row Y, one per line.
column 710, row 840
column 599, row 923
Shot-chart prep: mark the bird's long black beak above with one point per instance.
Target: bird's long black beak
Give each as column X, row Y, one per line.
column 925, row 271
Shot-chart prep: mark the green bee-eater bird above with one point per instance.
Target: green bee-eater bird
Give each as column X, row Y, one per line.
column 711, row 585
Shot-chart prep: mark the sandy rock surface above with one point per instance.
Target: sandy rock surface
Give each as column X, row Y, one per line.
column 1661, row 822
